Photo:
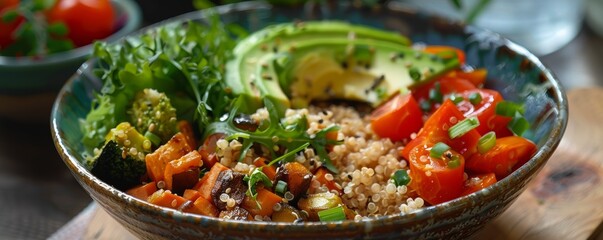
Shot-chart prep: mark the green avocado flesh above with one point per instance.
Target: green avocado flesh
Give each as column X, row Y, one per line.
column 294, row 64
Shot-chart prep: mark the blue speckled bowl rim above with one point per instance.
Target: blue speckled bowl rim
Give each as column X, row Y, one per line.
column 531, row 167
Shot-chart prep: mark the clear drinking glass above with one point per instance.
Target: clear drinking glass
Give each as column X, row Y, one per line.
column 542, row 26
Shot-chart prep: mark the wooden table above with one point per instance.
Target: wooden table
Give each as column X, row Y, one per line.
column 38, row 195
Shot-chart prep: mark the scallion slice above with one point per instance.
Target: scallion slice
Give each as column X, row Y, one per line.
column 156, row 140
column 508, row 109
column 475, row 98
column 400, row 177
column 454, row 162
column 438, row 150
column 463, row 127
column 518, row 125
column 456, row 99
column 332, row 214
column 435, row 95
column 281, row 188
column 486, row 142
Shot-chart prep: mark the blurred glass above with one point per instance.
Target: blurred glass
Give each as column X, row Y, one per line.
column 594, row 15
column 542, row 26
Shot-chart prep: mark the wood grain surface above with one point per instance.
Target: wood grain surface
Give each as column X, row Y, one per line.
column 565, row 200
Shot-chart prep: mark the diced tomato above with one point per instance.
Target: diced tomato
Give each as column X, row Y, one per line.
column 506, row 156
column 436, row 180
column 447, row 84
column 478, row 182
column 436, row 130
column 485, row 111
column 398, row 118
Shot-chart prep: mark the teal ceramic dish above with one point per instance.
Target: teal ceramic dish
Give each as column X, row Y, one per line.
column 28, row 87
column 513, row 71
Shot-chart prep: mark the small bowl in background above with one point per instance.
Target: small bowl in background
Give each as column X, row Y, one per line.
column 29, row 86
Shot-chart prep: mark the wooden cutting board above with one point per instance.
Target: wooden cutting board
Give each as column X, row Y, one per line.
column 565, row 200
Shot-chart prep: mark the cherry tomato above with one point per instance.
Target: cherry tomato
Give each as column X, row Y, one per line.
column 436, row 130
column 398, row 118
column 447, row 84
column 485, row 111
column 87, row 20
column 7, row 29
column 478, row 182
column 506, row 156
column 436, row 180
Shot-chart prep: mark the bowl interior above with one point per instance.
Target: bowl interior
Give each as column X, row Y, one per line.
column 512, row 70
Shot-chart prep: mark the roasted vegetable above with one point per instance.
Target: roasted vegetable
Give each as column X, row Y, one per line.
column 229, row 190
column 172, row 150
column 153, row 114
column 120, row 161
column 297, row 177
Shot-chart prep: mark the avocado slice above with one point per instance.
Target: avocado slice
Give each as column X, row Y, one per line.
column 293, row 64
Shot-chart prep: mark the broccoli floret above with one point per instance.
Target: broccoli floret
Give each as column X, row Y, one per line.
column 120, row 162
column 153, row 114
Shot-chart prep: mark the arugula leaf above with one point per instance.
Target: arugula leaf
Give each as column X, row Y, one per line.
column 274, row 134
column 183, row 60
column 253, row 179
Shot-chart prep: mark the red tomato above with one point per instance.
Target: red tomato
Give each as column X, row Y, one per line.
column 485, row 111
column 398, row 118
column 478, row 182
column 7, row 29
column 507, row 155
column 435, row 49
column 436, row 180
column 87, row 20
column 436, row 130
column 448, row 85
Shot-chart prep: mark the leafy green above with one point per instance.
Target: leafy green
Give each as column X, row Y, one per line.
column 184, row 61
column 256, row 176
column 275, row 135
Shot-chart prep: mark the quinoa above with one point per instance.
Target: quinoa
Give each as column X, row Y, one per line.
column 364, row 160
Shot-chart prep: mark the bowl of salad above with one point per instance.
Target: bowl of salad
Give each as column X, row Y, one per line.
column 42, row 43
column 255, row 121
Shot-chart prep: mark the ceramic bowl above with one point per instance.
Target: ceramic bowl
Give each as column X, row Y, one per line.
column 515, row 72
column 29, row 86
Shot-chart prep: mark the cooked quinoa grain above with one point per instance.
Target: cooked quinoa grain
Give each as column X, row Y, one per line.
column 365, row 161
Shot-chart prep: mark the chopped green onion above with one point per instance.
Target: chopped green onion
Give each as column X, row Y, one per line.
column 456, row 99
column 518, row 125
column 475, row 98
column 438, row 150
column 454, row 162
column 414, row 74
column 508, row 109
column 463, row 127
column 400, row 178
column 156, row 140
column 435, row 95
column 332, row 214
column 486, row 142
column 281, row 188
